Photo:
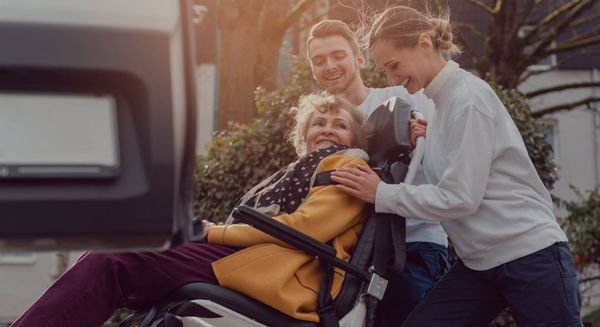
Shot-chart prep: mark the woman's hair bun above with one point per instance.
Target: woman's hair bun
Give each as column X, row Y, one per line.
column 443, row 36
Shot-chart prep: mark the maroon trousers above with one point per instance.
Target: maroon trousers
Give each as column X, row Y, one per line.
column 98, row 283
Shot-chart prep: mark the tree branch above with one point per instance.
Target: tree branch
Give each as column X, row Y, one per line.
column 524, row 15
column 573, row 7
column 471, row 28
column 483, row 6
column 564, row 58
column 584, row 20
column 588, row 33
column 554, row 14
column 498, row 6
column 561, row 88
column 567, row 106
column 542, row 49
column 571, row 45
column 294, row 15
column 318, row 18
column 589, row 279
column 567, row 6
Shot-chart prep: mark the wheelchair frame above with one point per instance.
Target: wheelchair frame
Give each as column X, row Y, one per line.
column 202, row 304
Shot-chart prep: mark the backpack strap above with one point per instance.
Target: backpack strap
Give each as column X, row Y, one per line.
column 389, row 255
column 325, row 305
column 323, row 178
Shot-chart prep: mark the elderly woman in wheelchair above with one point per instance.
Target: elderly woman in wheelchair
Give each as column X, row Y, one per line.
column 328, row 134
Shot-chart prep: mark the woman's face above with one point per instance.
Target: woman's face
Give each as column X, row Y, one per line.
column 327, row 129
column 406, row 66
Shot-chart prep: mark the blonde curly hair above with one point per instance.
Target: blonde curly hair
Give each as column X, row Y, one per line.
column 324, row 102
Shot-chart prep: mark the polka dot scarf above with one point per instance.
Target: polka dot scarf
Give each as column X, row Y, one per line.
column 285, row 190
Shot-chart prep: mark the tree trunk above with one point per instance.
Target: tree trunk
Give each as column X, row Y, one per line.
column 272, row 30
column 238, row 57
column 251, row 34
column 503, row 63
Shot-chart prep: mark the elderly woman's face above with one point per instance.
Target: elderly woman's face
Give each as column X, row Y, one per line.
column 327, row 129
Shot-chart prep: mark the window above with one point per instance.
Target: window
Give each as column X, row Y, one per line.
column 58, row 135
column 17, row 258
column 550, row 130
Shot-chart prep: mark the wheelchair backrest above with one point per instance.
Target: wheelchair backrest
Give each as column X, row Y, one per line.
column 390, row 140
column 389, row 146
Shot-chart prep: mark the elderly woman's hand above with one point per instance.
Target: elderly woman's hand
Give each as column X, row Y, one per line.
column 418, row 128
column 201, row 227
column 206, row 225
column 360, row 182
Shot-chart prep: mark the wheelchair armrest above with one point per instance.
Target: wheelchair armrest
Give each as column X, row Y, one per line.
column 296, row 239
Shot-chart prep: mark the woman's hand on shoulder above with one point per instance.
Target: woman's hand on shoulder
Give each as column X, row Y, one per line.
column 360, row 182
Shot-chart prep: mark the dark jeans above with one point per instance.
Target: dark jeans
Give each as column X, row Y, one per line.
column 541, row 289
column 426, row 263
column 98, row 283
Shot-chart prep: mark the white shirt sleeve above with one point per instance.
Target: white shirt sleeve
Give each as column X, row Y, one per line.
column 470, row 142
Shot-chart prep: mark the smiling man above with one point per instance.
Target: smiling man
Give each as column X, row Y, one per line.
column 336, row 60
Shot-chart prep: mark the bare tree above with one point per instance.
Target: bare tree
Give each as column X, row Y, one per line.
column 250, row 35
column 521, row 33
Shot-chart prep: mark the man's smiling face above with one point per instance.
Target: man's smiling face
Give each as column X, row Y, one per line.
column 334, row 64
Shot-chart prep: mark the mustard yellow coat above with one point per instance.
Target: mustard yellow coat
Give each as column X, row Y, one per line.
column 270, row 271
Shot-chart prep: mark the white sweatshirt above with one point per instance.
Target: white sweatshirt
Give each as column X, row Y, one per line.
column 483, row 187
column 417, row 230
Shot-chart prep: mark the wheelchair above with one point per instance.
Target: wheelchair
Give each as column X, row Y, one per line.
column 379, row 252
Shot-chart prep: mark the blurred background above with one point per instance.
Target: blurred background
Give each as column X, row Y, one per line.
column 542, row 56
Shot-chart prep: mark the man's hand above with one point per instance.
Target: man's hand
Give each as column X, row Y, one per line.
column 418, row 128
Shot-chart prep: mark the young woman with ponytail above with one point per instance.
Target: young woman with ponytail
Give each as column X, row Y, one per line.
column 483, row 188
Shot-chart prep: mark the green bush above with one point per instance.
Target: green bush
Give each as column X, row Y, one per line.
column 244, row 154
column 373, row 77
column 582, row 226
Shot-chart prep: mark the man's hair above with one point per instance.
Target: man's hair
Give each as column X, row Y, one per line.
column 332, row 27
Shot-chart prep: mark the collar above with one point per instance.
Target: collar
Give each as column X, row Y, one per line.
column 440, row 79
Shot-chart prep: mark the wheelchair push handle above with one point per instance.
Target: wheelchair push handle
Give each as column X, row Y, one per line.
column 417, row 154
